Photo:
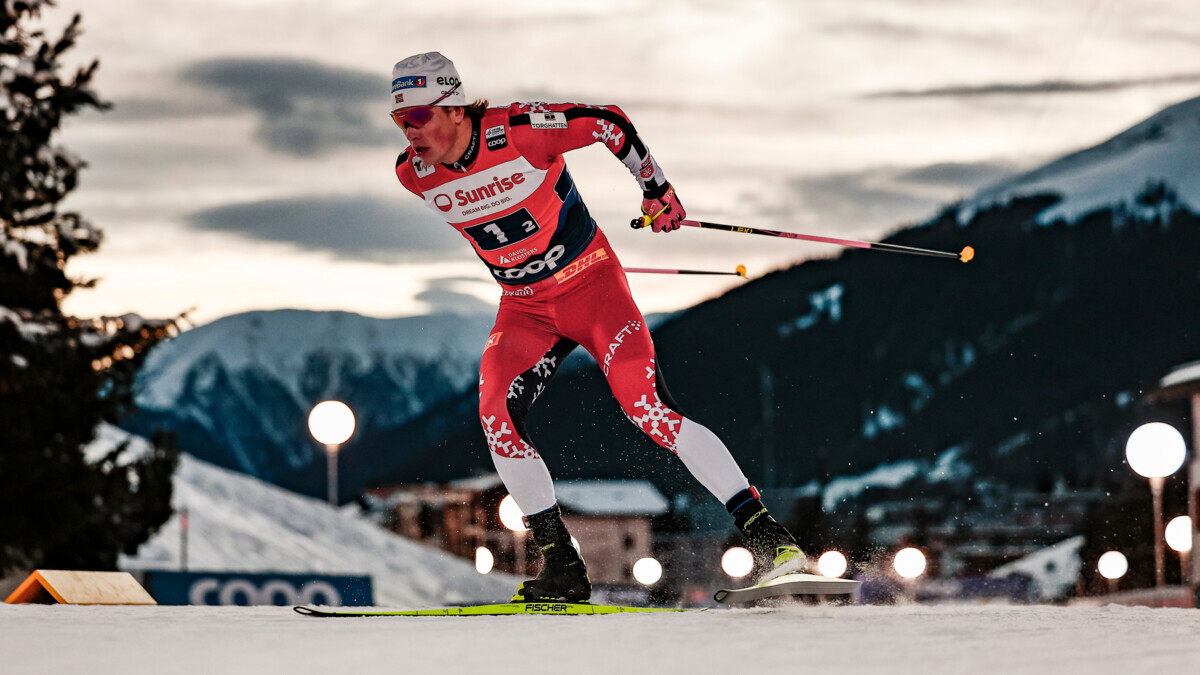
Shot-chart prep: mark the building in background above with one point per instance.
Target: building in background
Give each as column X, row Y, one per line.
column 612, row 520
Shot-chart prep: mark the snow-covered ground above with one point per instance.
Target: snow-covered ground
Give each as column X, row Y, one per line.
column 237, row 523
column 50, row 640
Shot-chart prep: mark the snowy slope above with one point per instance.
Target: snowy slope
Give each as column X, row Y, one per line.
column 239, row 523
column 975, row 640
column 1055, row 568
column 1164, row 148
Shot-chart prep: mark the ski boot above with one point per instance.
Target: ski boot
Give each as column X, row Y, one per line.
column 564, row 575
column 775, row 549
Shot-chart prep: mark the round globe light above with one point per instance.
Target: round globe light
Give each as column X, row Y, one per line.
column 511, row 515
column 909, row 563
column 831, row 564
column 1155, row 450
column 737, row 562
column 647, row 571
column 1112, row 565
column 1179, row 534
column 331, row 422
column 484, row 560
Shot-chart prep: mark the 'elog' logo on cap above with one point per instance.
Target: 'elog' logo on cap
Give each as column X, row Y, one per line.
column 408, row 82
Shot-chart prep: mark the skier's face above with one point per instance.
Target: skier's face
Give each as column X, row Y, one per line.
column 434, row 140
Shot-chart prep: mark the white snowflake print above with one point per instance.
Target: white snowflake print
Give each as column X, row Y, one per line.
column 516, row 388
column 658, row 420
column 545, row 366
column 494, row 436
column 525, row 451
column 505, row 448
column 608, row 132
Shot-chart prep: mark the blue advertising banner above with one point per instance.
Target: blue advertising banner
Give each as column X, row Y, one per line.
column 237, row 588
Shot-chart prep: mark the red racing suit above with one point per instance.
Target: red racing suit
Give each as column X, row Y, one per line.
column 512, row 197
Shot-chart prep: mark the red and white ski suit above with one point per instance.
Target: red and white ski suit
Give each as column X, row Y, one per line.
column 512, row 197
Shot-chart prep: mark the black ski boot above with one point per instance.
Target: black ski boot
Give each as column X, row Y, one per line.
column 564, row 575
column 775, row 549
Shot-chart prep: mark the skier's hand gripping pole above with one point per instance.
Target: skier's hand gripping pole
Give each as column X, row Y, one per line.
column 663, row 213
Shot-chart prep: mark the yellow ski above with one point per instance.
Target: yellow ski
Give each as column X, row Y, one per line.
column 501, row 609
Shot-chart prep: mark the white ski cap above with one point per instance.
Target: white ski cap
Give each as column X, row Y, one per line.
column 423, row 79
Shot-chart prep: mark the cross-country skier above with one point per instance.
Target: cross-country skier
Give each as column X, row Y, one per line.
column 497, row 175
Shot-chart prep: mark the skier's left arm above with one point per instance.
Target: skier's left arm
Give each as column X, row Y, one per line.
column 543, row 131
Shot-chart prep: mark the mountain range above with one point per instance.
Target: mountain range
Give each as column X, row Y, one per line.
column 1024, row 367
column 237, row 392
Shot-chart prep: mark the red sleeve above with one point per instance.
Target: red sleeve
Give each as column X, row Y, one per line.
column 543, row 131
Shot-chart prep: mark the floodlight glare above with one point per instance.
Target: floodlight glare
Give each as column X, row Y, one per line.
column 909, row 563
column 1155, row 450
column 737, row 562
column 647, row 571
column 484, row 560
column 331, row 422
column 1179, row 534
column 1112, row 565
column 511, row 515
column 832, row 564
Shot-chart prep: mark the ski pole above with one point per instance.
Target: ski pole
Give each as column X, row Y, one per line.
column 740, row 271
column 965, row 255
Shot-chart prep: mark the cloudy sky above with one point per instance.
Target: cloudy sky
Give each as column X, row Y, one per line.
column 248, row 160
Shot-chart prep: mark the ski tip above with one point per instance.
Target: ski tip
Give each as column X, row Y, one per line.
column 720, row 595
column 306, row 611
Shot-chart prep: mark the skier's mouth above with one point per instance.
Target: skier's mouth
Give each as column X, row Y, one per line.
column 420, row 150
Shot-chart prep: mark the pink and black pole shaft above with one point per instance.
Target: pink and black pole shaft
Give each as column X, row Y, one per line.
column 965, row 255
column 739, row 272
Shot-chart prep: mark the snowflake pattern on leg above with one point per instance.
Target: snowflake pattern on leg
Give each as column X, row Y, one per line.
column 545, row 367
column 494, row 436
column 516, row 388
column 658, row 421
column 517, row 448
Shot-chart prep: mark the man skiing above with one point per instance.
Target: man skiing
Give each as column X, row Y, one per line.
column 497, row 175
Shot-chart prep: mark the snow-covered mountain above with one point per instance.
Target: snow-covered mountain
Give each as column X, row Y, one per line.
column 238, row 390
column 237, row 523
column 1162, row 150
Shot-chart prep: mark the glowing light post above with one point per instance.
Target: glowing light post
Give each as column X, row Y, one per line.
column 1179, row 538
column 737, row 562
column 513, row 518
column 1155, row 451
column 831, row 564
column 331, row 423
column 1112, row 566
column 484, row 560
column 909, row 563
column 647, row 571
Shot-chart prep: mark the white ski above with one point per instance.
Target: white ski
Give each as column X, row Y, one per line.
column 789, row 584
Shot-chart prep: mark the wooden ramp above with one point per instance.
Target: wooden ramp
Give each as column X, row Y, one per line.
column 71, row 587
